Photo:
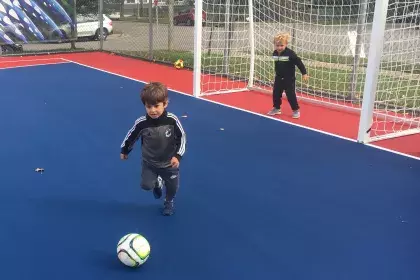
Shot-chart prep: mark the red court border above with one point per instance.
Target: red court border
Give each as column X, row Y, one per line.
column 325, row 120
column 11, row 62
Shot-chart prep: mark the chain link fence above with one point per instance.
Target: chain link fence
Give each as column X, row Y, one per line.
column 161, row 30
column 48, row 26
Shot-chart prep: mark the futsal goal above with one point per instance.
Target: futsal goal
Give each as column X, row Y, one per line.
column 361, row 55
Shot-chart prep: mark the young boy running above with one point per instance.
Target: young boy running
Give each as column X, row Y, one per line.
column 163, row 142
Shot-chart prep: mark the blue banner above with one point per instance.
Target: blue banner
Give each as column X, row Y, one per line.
column 33, row 21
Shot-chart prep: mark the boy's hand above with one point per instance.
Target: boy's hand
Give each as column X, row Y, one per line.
column 305, row 78
column 175, row 162
column 123, row 156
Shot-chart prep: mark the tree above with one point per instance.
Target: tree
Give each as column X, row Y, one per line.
column 86, row 7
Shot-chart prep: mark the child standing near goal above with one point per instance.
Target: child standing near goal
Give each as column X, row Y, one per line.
column 163, row 144
column 285, row 61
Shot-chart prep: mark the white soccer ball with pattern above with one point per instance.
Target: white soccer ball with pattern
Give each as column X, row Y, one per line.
column 133, row 250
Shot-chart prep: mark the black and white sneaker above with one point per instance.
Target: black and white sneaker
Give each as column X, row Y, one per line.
column 168, row 209
column 157, row 190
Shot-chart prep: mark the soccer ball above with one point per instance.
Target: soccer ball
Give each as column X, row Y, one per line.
column 179, row 64
column 133, row 250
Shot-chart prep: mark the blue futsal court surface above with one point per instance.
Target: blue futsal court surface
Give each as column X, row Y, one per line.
column 260, row 199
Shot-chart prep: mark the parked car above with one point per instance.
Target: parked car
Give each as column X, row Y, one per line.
column 187, row 17
column 413, row 18
column 403, row 13
column 7, row 45
column 114, row 15
column 10, row 48
column 88, row 27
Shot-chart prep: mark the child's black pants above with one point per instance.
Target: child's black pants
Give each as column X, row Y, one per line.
column 287, row 85
column 170, row 176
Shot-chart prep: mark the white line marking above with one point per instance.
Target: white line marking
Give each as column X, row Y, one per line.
column 31, row 65
column 251, row 112
column 29, row 60
column 392, row 151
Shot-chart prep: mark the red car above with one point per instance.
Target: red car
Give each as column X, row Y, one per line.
column 187, row 17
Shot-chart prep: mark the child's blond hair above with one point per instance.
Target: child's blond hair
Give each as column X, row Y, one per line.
column 282, row 38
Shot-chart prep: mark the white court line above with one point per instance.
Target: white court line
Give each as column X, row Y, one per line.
column 253, row 113
column 29, row 60
column 32, row 65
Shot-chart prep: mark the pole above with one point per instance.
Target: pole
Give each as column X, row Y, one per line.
column 101, row 25
column 252, row 43
column 197, row 47
column 171, row 25
column 150, row 30
column 373, row 68
column 157, row 19
column 359, row 31
column 227, row 29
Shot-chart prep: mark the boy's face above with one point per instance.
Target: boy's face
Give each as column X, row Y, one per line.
column 280, row 46
column 156, row 110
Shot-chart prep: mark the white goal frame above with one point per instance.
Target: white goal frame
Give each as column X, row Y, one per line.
column 366, row 111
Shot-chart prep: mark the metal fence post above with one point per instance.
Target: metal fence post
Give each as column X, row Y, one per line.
column 150, row 30
column 361, row 20
column 101, row 25
column 171, row 24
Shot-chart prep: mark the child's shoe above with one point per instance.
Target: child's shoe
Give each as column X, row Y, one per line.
column 168, row 209
column 274, row 111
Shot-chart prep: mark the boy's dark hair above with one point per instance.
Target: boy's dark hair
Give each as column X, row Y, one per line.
column 154, row 93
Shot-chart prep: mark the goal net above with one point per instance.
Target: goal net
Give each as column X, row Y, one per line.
column 234, row 46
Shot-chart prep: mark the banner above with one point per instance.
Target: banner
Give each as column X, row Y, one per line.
column 33, row 21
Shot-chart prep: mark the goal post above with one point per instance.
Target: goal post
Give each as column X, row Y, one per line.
column 362, row 56
column 372, row 73
column 250, row 19
column 198, row 33
column 391, row 98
